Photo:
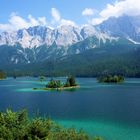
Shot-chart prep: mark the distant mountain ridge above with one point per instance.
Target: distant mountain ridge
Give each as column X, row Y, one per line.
column 39, row 43
column 124, row 26
column 41, row 35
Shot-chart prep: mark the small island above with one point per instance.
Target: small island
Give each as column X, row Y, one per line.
column 58, row 85
column 2, row 75
column 42, row 78
column 111, row 79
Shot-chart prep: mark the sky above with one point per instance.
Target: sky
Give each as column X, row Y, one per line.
column 17, row 14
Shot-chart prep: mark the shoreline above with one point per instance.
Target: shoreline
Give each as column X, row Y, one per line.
column 61, row 88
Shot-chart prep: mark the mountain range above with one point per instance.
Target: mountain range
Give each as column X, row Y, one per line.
column 41, row 44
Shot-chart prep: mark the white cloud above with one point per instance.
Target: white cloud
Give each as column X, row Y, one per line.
column 55, row 14
column 33, row 21
column 128, row 7
column 42, row 21
column 16, row 22
column 96, row 21
column 88, row 12
column 118, row 8
column 67, row 22
column 5, row 27
column 58, row 20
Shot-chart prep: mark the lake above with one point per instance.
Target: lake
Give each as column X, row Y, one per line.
column 109, row 110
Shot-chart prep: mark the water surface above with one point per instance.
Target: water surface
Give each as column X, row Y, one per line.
column 109, row 110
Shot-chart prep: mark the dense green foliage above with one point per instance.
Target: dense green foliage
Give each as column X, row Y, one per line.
column 111, row 79
column 2, row 74
column 70, row 82
column 120, row 60
column 54, row 84
column 17, row 126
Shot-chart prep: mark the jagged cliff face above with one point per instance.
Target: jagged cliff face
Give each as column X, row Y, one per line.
column 40, row 43
column 37, row 36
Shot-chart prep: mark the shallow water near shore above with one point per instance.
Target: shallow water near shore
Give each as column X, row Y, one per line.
column 108, row 110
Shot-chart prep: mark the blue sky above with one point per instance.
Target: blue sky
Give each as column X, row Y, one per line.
column 55, row 12
column 70, row 9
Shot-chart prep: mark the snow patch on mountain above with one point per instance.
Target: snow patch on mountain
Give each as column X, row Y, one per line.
column 65, row 36
column 40, row 42
column 134, row 42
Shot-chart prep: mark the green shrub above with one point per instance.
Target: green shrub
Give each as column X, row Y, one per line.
column 54, row 84
column 18, row 126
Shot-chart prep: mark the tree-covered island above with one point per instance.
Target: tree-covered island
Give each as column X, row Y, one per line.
column 110, row 79
column 58, row 85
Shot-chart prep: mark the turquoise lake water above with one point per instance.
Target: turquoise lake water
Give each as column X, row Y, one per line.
column 109, row 110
